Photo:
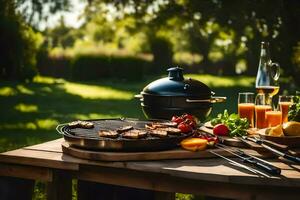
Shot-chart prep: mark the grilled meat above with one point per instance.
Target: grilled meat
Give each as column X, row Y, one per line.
column 74, row 124
column 108, row 133
column 159, row 133
column 124, row 129
column 171, row 130
column 81, row 124
column 169, row 124
column 134, row 134
column 85, row 124
column 156, row 125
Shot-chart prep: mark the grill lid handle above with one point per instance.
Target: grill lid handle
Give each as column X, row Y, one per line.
column 211, row 100
column 175, row 73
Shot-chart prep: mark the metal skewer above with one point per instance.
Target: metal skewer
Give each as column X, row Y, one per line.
column 257, row 162
column 240, row 165
column 274, row 151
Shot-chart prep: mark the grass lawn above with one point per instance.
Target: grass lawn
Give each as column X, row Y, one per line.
column 31, row 111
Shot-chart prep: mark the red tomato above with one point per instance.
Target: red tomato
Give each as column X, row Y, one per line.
column 176, row 119
column 221, row 130
column 188, row 116
column 185, row 128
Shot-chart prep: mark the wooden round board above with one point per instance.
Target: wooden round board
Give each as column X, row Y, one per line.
column 136, row 156
column 290, row 141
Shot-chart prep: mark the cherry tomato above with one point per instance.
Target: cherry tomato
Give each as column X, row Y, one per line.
column 174, row 118
column 185, row 128
column 177, row 119
column 188, row 116
column 221, row 130
column 191, row 123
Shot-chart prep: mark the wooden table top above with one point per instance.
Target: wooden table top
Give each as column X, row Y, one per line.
column 50, row 155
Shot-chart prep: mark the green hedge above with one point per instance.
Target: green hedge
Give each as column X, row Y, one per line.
column 94, row 67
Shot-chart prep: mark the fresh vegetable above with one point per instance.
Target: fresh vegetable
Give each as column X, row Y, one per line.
column 186, row 122
column 236, row 125
column 177, row 119
column 194, row 144
column 294, row 110
column 185, row 128
column 221, row 130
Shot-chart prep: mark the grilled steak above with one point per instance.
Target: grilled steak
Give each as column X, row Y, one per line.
column 134, row 134
column 171, row 130
column 159, row 133
column 84, row 124
column 124, row 129
column 169, row 124
column 74, row 124
column 108, row 133
column 156, row 125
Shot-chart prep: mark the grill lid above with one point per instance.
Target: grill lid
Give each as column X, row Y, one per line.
column 176, row 85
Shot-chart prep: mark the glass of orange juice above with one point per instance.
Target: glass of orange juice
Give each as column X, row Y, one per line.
column 261, row 107
column 274, row 117
column 246, row 106
column 284, row 103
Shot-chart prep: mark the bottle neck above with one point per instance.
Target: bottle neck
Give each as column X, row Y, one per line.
column 264, row 52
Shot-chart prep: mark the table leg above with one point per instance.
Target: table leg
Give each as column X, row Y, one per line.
column 60, row 188
column 16, row 188
column 90, row 190
column 164, row 196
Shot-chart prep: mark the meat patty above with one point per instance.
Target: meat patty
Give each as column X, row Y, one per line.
column 108, row 133
column 134, row 134
column 159, row 133
column 124, row 129
column 156, row 125
column 171, row 130
column 85, row 124
column 74, row 124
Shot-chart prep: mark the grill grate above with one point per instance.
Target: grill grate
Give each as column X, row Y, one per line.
column 110, row 124
column 89, row 138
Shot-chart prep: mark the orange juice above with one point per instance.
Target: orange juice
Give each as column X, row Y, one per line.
column 274, row 118
column 284, row 108
column 260, row 113
column 246, row 110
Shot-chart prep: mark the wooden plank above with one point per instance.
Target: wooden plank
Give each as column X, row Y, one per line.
column 40, row 158
column 219, row 171
column 166, row 183
column 60, row 188
column 26, row 172
column 51, row 146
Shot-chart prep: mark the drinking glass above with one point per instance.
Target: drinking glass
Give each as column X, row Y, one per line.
column 261, row 107
column 284, row 103
column 274, row 117
column 246, row 106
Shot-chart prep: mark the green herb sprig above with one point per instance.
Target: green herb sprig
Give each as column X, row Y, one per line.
column 237, row 126
column 294, row 110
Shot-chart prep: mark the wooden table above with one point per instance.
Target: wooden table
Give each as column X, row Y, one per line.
column 212, row 177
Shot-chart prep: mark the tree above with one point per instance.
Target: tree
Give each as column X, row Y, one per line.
column 252, row 21
column 19, row 42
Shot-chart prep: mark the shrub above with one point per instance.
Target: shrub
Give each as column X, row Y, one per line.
column 18, row 44
column 95, row 67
